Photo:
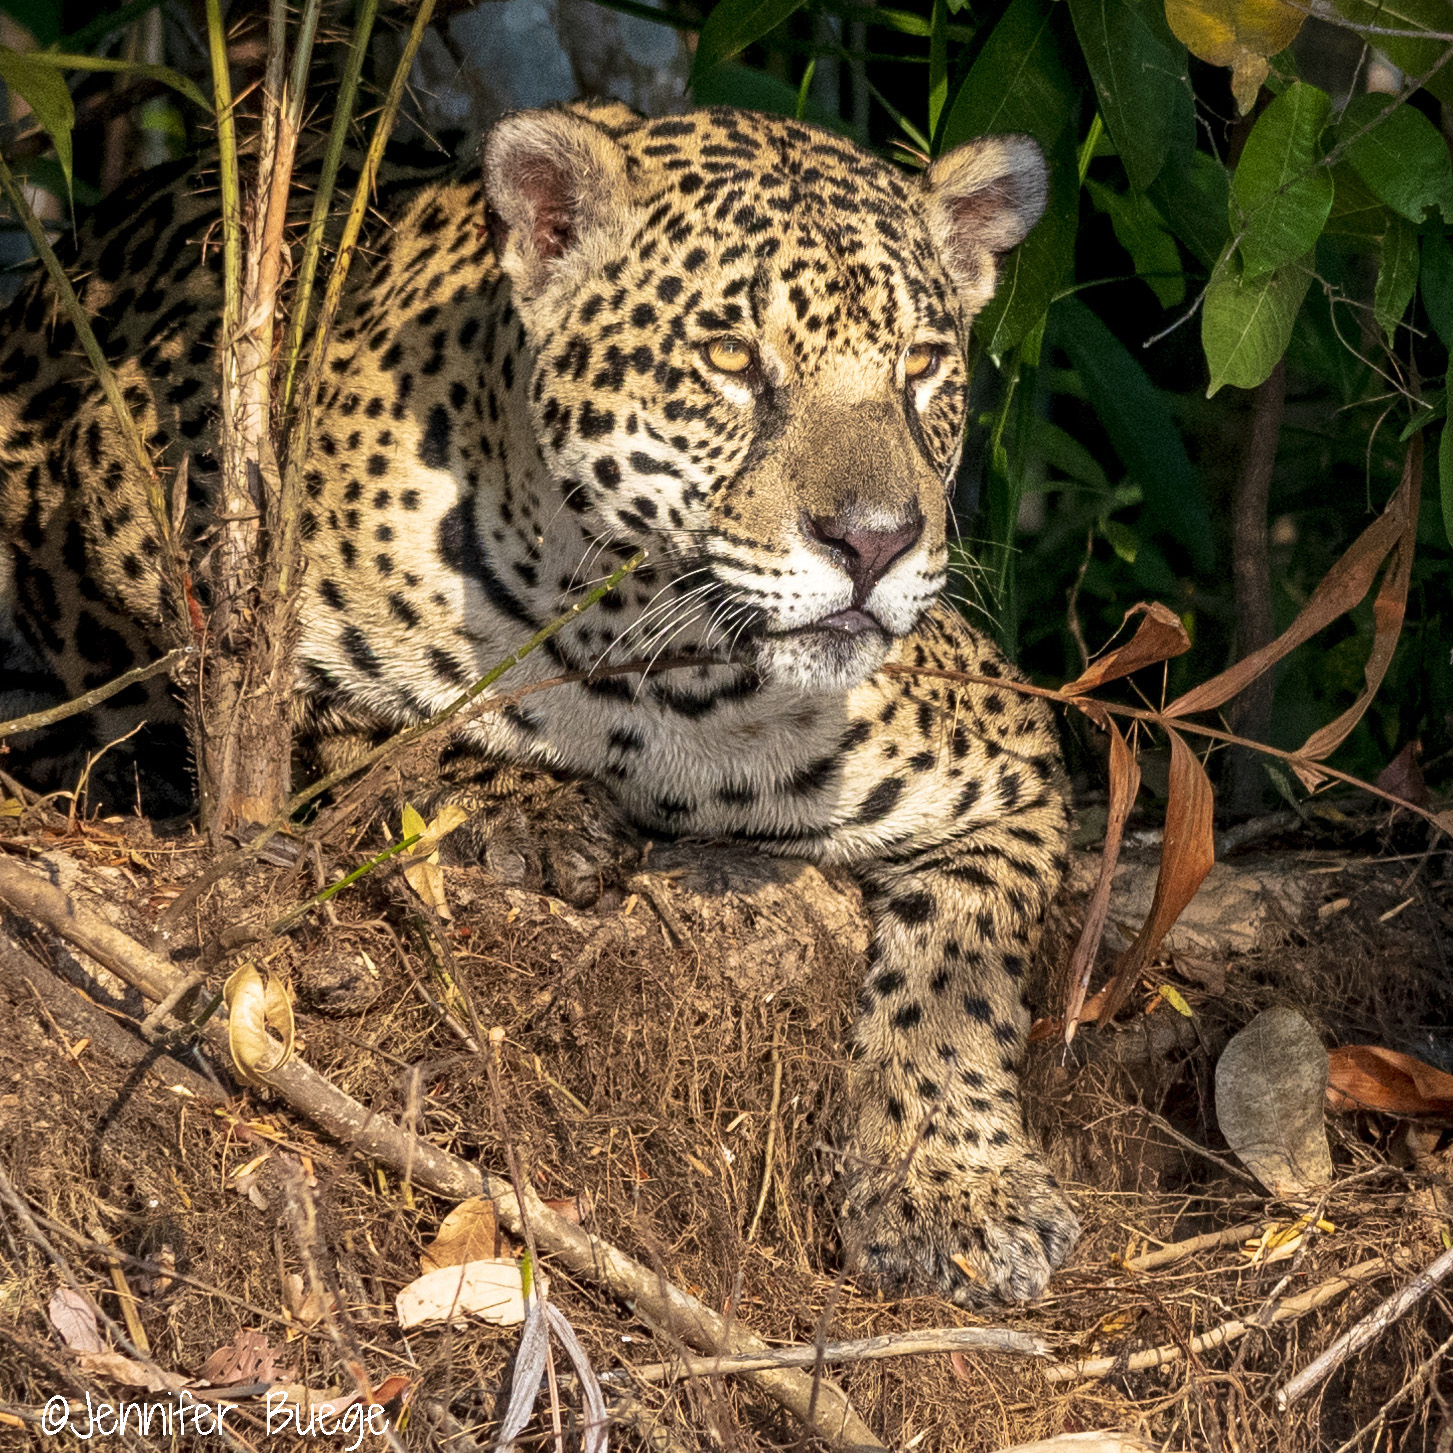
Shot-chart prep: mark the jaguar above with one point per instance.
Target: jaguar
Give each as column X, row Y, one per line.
column 739, row 343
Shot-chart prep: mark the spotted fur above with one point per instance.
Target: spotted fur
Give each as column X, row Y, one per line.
column 738, row 341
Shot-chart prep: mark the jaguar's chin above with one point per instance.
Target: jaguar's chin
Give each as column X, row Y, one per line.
column 834, row 655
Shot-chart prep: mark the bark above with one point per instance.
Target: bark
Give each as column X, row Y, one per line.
column 1251, row 572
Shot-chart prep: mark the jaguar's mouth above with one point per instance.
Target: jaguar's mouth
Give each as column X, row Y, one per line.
column 850, row 621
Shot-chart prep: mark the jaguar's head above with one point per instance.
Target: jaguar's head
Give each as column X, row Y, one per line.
column 748, row 341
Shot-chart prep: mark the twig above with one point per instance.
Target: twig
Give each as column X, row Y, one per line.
column 771, row 1132
column 1358, row 1336
column 820, row 1405
column 1177, row 1250
column 1286, row 1311
column 890, row 1344
column 1160, row 719
column 52, row 714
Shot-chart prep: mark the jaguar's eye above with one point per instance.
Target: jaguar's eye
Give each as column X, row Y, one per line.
column 729, row 355
column 921, row 361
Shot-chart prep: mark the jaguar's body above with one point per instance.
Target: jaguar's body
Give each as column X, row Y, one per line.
column 738, row 342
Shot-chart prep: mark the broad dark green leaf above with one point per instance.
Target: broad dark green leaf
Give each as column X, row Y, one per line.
column 1356, row 212
column 1019, row 83
column 1416, row 57
column 1400, row 156
column 1397, row 274
column 1193, row 199
column 1141, row 430
column 1136, row 73
column 1032, row 275
column 1281, row 195
column 1445, row 467
column 734, row 25
column 1436, row 277
column 1247, row 324
column 1141, row 231
column 43, row 89
column 731, row 85
column 41, row 18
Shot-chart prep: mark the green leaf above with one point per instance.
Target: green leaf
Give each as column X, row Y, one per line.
column 1140, row 427
column 1400, row 156
column 1019, row 83
column 41, row 18
column 731, row 85
column 44, row 91
column 1356, row 212
column 69, row 61
column 1445, row 468
column 1136, row 72
column 1064, row 453
column 734, row 25
column 937, row 64
column 1280, row 195
column 1437, row 280
column 1246, row 325
column 1397, row 275
column 1141, row 231
column 1415, row 57
column 1123, row 540
column 1193, row 200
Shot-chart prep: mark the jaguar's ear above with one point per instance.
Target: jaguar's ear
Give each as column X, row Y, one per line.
column 554, row 183
column 983, row 197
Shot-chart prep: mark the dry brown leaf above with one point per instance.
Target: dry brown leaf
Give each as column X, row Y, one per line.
column 130, row 1374
column 1240, row 34
column 254, row 1006
column 1403, row 776
column 1342, row 588
column 1271, row 1081
column 490, row 1287
column 1369, row 1077
column 1388, row 611
column 1124, row 784
column 249, row 1357
column 1187, row 853
column 73, row 1315
column 1159, row 637
column 470, row 1232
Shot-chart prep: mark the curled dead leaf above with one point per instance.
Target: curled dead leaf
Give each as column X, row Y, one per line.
column 1370, row 1077
column 1159, row 637
column 256, row 1005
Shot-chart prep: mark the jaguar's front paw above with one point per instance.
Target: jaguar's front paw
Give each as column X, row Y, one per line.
column 567, row 841
column 966, row 1232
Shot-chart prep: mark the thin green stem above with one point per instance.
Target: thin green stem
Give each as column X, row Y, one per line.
column 327, row 179
column 333, row 294
column 228, row 173
column 302, row 60
column 362, row 870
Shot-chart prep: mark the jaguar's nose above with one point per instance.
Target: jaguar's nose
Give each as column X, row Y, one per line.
column 865, row 554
